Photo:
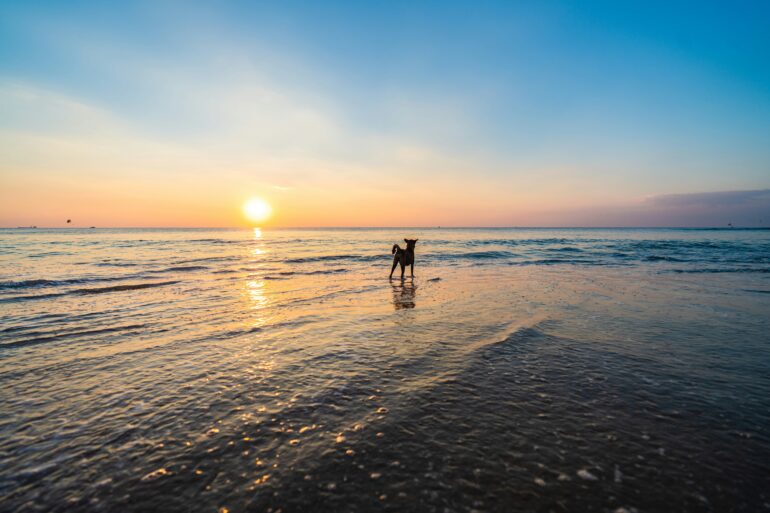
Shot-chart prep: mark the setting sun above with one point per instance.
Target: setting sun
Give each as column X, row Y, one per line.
column 257, row 210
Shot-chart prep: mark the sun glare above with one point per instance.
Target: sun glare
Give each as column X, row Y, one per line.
column 257, row 210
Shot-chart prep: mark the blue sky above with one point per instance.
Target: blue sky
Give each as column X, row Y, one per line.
column 489, row 113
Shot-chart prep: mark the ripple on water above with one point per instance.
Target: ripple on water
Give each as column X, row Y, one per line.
column 559, row 382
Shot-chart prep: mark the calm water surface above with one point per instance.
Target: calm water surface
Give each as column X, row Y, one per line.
column 520, row 370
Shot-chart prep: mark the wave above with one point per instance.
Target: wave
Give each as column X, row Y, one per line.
column 120, row 288
column 46, row 283
column 112, row 264
column 328, row 258
column 569, row 261
column 72, row 334
column 722, row 270
column 87, row 291
column 177, row 268
column 209, row 259
column 181, row 268
column 285, row 275
column 660, row 258
column 638, row 247
column 30, row 297
column 515, row 243
column 690, row 245
column 567, row 249
column 473, row 255
column 551, row 261
column 327, row 271
column 48, row 254
column 300, row 321
column 219, row 241
column 550, row 256
column 26, row 284
column 41, row 283
column 513, row 333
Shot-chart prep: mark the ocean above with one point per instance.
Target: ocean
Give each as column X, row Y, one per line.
column 612, row 370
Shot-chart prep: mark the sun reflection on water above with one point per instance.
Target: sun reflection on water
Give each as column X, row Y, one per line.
column 256, row 286
column 256, row 291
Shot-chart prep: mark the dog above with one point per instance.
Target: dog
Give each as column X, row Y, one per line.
column 404, row 257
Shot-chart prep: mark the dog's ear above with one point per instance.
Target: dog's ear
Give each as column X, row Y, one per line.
column 406, row 240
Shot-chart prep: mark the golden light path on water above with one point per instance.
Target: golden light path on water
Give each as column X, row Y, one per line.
column 256, row 287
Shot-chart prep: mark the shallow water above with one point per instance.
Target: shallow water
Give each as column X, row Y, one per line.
column 520, row 370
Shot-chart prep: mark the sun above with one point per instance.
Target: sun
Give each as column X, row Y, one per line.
column 257, row 210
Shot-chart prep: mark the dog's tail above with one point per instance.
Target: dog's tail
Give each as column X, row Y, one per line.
column 396, row 247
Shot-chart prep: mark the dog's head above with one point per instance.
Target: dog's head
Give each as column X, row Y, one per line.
column 410, row 243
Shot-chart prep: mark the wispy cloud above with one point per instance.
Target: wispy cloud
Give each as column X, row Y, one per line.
column 713, row 199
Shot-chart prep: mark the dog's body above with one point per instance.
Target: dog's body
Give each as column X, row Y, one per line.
column 403, row 256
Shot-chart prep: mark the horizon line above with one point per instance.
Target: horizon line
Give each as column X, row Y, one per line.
column 431, row 227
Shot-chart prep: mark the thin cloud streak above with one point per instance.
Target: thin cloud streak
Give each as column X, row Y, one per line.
column 748, row 208
column 757, row 197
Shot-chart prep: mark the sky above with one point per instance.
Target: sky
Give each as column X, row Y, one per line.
column 416, row 113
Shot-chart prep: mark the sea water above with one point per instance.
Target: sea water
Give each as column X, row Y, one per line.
column 267, row 370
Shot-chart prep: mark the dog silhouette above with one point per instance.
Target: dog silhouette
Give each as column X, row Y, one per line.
column 403, row 257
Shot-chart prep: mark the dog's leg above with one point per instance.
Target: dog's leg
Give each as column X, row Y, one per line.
column 412, row 268
column 395, row 263
column 403, row 268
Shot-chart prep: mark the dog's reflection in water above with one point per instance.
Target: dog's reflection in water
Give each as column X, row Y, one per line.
column 403, row 293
